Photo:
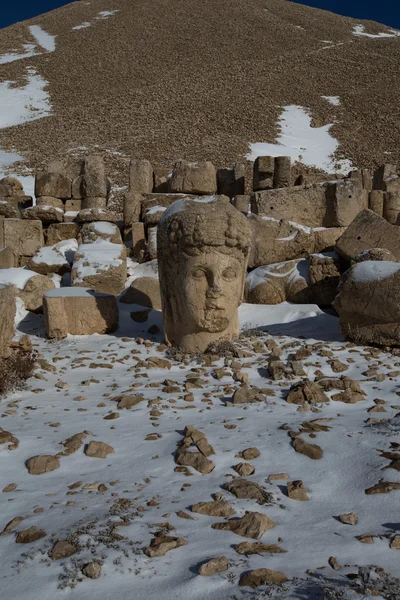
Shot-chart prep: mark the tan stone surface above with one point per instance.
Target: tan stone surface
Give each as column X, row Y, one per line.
column 202, row 257
column 7, row 258
column 46, row 214
column 53, row 184
column 140, row 176
column 369, row 230
column 7, row 311
column 58, row 232
column 99, row 230
column 101, row 267
column 193, row 178
column 144, row 291
column 132, row 207
column 32, row 294
column 49, row 201
column 82, row 312
column 367, row 303
column 23, row 236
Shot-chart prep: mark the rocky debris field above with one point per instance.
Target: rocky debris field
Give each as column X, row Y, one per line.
column 267, row 468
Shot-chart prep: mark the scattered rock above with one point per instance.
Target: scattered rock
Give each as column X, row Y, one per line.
column 306, row 392
column 248, row 454
column 311, row 450
column 37, row 465
column 244, row 469
column 214, row 565
column 383, row 487
column 62, row 549
column 26, row 536
column 98, row 449
column 262, row 577
column 92, row 570
column 253, row 525
column 296, row 490
column 348, row 519
column 162, row 543
column 246, row 395
column 248, row 548
column 11, row 525
column 220, row 508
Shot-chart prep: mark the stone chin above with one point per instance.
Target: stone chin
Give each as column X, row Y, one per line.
column 214, row 321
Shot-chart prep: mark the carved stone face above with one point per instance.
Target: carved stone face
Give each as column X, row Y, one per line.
column 212, row 290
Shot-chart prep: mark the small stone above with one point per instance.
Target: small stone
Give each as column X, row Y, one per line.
column 395, row 543
column 366, row 538
column 252, row 525
column 311, row 450
column 62, row 549
column 242, row 488
column 92, row 570
column 333, row 563
column 162, row 543
column 348, row 519
column 244, row 469
column 26, row 536
column 11, row 525
column 248, row 454
column 220, row 508
column 278, row 476
column 297, row 491
column 248, row 548
column 262, row 577
column 214, row 565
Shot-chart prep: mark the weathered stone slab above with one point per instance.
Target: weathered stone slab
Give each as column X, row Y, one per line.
column 7, row 311
column 24, row 236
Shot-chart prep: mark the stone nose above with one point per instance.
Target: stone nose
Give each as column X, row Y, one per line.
column 214, row 291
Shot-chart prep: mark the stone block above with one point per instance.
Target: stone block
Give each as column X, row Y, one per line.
column 368, row 230
column 79, row 311
column 263, row 173
column 10, row 186
column 138, row 241
column 302, row 204
column 230, row 182
column 101, row 267
column 150, row 200
column 375, row 202
column 73, row 205
column 345, row 198
column 45, row 214
column 144, row 291
column 23, row 236
column 7, row 311
column 282, row 172
column 383, row 172
column 50, row 201
column 87, row 215
column 193, row 178
column 132, row 207
column 9, row 210
column 58, row 232
column 8, row 259
column 96, row 202
column 161, row 180
column 53, row 184
column 91, row 233
column 140, row 176
column 2, row 244
column 242, row 203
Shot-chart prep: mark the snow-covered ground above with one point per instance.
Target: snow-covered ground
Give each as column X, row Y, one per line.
column 142, row 490
column 313, row 146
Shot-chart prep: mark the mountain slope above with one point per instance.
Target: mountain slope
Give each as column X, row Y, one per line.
column 203, row 79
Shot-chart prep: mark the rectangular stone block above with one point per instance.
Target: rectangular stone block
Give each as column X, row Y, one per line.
column 7, row 311
column 345, row 198
column 24, row 236
column 367, row 231
column 58, row 232
column 8, row 259
column 263, row 173
column 242, row 203
column 2, row 232
column 73, row 204
column 165, row 200
column 282, row 172
column 138, row 241
column 140, row 176
column 79, row 311
column 375, row 202
column 302, row 204
column 132, row 207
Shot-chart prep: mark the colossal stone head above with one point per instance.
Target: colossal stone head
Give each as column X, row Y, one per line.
column 203, row 248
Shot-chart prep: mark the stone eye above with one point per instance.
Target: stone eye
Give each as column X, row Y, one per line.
column 198, row 273
column 229, row 273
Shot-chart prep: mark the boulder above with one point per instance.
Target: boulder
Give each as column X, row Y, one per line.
column 79, row 311
column 153, row 216
column 144, row 291
column 46, row 214
column 193, row 178
column 29, row 286
column 69, row 167
column 58, row 232
column 54, row 184
column 54, row 259
column 24, row 237
column 262, row 577
column 345, row 198
column 368, row 230
column 92, row 183
column 263, row 173
column 99, row 230
column 230, row 182
column 367, row 303
column 7, row 310
column 101, row 267
column 150, row 200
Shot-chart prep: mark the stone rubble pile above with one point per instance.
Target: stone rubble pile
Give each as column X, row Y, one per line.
column 306, row 231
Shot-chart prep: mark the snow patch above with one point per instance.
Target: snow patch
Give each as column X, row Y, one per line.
column 27, row 103
column 29, row 51
column 359, row 30
column 44, row 39
column 374, row 270
column 313, row 146
column 16, row 276
column 334, row 100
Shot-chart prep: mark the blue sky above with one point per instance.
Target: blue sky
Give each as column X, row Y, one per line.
column 384, row 11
